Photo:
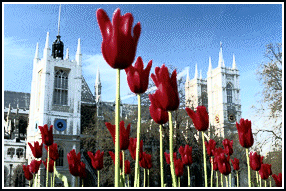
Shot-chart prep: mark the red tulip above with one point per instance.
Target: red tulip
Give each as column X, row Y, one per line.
column 245, row 133
column 137, row 77
column 146, row 161
column 223, row 164
column 132, row 148
column 264, row 171
column 215, row 165
column 51, row 165
column 210, row 147
column 127, row 169
column 53, row 151
column 254, row 161
column 269, row 169
column 159, row 115
column 37, row 149
column 82, row 171
column 166, row 94
column 186, row 154
column 179, row 167
column 123, row 135
column 74, row 162
column 235, row 164
column 227, row 144
column 96, row 159
column 218, row 151
column 278, row 179
column 200, row 118
column 113, row 157
column 118, row 45
column 167, row 156
column 27, row 173
column 47, row 134
column 34, row 166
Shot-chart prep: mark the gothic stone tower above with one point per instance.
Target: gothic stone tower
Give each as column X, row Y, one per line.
column 56, row 100
column 220, row 93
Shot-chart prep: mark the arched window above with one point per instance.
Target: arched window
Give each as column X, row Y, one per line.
column 60, row 160
column 61, row 88
column 229, row 93
column 18, row 178
column 11, row 152
column 20, row 152
column 205, row 100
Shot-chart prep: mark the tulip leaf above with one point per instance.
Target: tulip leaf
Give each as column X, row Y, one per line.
column 62, row 178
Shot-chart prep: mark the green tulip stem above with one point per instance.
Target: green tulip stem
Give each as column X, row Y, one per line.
column 54, row 177
column 237, row 178
column 30, row 182
column 161, row 156
column 189, row 177
column 179, row 181
column 144, row 178
column 226, row 182
column 136, row 179
column 117, row 113
column 229, row 179
column 205, row 158
column 98, row 176
column 174, row 179
column 270, row 182
column 260, row 181
column 216, row 178
column 212, row 171
column 221, row 180
column 248, row 166
column 47, row 174
column 128, row 180
column 264, row 183
column 148, row 175
column 34, row 181
column 123, row 168
column 82, row 185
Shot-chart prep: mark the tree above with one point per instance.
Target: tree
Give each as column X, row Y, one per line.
column 270, row 76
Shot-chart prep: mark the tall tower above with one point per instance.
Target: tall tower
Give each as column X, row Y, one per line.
column 219, row 92
column 97, row 87
column 56, row 100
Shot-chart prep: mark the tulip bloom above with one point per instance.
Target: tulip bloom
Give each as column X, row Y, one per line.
column 210, row 147
column 227, row 144
column 37, row 149
column 51, row 165
column 132, row 148
column 179, row 167
column 53, row 151
column 113, row 157
column 34, row 166
column 146, row 161
column 123, row 136
column 82, row 171
column 118, row 45
column 127, row 167
column 159, row 115
column 200, row 118
column 255, row 161
column 27, row 173
column 186, row 155
column 215, row 164
column 278, row 179
column 245, row 133
column 235, row 164
column 137, row 77
column 166, row 94
column 74, row 162
column 264, row 171
column 167, row 156
column 269, row 168
column 47, row 134
column 96, row 159
column 223, row 164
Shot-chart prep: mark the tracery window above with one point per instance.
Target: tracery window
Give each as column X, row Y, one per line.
column 61, row 88
column 20, row 152
column 229, row 93
column 11, row 152
column 60, row 160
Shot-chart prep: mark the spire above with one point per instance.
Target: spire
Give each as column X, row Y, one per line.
column 233, row 63
column 47, row 48
column 196, row 71
column 67, row 54
column 59, row 21
column 47, row 41
column 188, row 77
column 210, row 64
column 220, row 59
column 201, row 74
column 58, row 45
column 37, row 51
column 97, row 80
column 78, row 51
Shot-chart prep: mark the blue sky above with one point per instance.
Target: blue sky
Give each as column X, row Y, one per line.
column 180, row 35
